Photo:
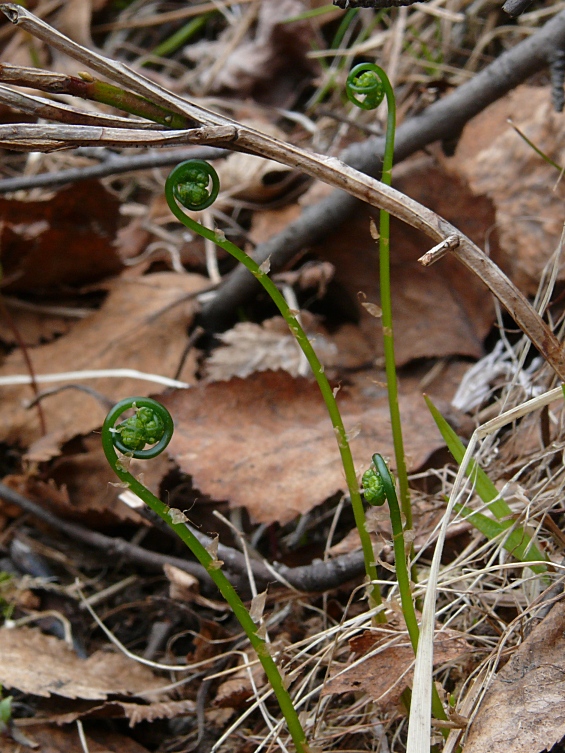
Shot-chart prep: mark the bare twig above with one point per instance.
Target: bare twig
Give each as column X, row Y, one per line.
column 50, row 110
column 320, row 576
column 113, row 166
column 218, row 130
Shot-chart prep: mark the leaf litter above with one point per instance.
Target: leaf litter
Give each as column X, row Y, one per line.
column 258, row 443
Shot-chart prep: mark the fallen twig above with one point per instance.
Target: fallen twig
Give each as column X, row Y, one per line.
column 319, row 576
column 113, row 166
column 218, row 130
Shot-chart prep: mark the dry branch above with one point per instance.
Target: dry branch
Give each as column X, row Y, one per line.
column 212, row 129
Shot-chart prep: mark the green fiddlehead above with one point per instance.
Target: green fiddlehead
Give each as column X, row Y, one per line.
column 195, row 184
column 152, row 424
column 367, row 85
column 174, row 197
column 364, row 87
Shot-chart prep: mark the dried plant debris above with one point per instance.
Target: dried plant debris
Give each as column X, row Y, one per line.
column 141, row 325
column 522, row 709
column 44, row 665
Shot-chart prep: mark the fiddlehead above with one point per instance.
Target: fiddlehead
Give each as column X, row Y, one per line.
column 373, row 488
column 364, row 81
column 194, row 183
column 151, row 424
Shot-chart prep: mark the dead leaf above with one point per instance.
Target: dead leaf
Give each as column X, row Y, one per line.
column 238, row 688
column 497, row 163
column 270, row 65
column 87, row 477
column 266, row 443
column 250, row 347
column 43, row 665
column 385, row 675
column 134, row 712
column 34, row 327
column 523, row 709
column 66, row 240
column 139, row 326
column 269, row 222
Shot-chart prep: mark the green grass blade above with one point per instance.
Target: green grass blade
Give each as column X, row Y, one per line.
column 484, row 487
column 517, row 543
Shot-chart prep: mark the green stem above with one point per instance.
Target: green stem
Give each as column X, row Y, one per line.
column 367, row 85
column 317, row 369
column 210, row 563
column 402, row 575
column 87, row 87
column 386, row 306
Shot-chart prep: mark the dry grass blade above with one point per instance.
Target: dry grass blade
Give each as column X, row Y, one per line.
column 420, row 723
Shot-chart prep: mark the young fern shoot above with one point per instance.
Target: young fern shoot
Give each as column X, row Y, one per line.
column 378, row 488
column 152, row 424
column 367, row 86
column 194, row 185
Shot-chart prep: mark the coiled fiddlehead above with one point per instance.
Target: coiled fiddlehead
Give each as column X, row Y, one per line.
column 195, row 184
column 373, row 488
column 152, row 424
column 363, row 80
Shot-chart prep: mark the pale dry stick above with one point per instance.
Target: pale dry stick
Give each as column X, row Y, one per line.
column 420, row 722
column 82, row 737
column 71, row 376
column 220, row 131
column 52, row 110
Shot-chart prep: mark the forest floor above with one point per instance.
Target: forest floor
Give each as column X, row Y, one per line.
column 114, row 638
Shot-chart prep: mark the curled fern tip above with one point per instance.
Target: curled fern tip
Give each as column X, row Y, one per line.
column 194, row 184
column 365, row 86
column 151, row 424
column 373, row 488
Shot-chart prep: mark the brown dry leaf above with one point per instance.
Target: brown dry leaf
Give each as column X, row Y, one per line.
column 270, row 65
column 34, row 327
column 66, row 240
column 266, row 443
column 250, row 347
column 81, row 486
column 523, row 710
column 43, row 665
column 385, row 675
column 238, row 688
column 134, row 712
column 139, row 326
column 440, row 311
column 270, row 222
column 51, row 739
column 497, row 163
